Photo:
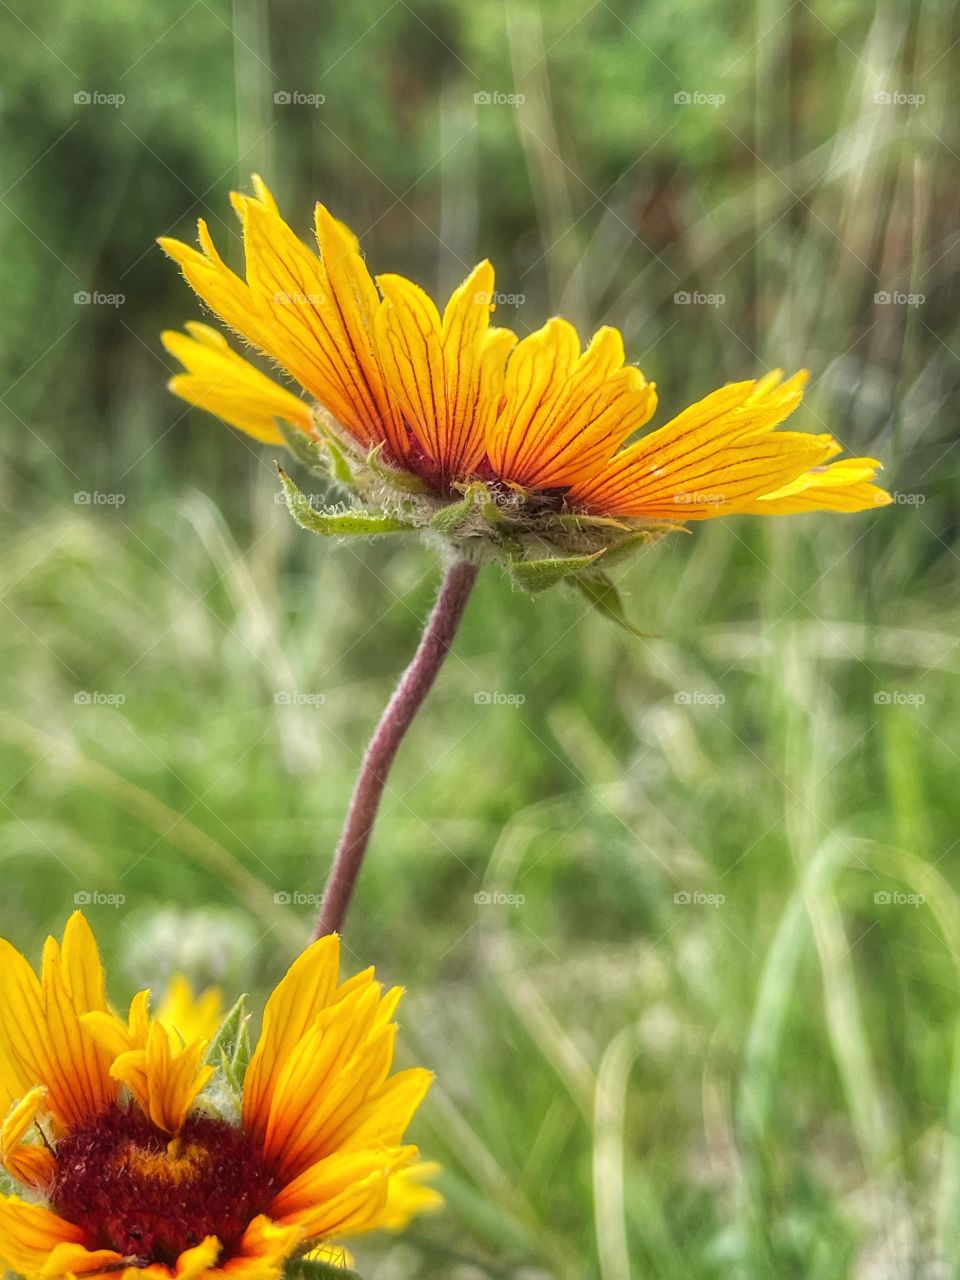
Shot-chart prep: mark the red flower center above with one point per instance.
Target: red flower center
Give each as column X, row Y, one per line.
column 149, row 1197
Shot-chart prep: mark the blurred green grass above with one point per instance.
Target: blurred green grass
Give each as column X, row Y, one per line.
column 631, row 1082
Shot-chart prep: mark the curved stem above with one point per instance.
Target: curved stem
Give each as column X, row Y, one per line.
column 408, row 697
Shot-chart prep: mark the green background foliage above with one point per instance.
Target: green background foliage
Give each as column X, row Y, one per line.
column 706, row 1023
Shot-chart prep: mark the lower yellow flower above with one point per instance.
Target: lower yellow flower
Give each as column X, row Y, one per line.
column 134, row 1159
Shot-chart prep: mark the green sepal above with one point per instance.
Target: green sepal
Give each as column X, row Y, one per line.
column 572, row 520
column 450, row 517
column 337, row 524
column 394, row 476
column 308, row 452
column 230, row 1049
column 311, row 1269
column 600, row 589
column 622, row 550
column 538, row 575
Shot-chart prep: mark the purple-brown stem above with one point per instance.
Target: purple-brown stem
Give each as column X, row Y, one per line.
column 408, row 697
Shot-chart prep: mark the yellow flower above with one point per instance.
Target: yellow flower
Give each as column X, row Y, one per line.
column 532, row 443
column 192, row 1017
column 126, row 1163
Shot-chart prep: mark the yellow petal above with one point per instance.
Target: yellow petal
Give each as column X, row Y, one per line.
column 188, row 1016
column 563, row 413
column 410, row 1196
column 712, row 459
column 30, row 1163
column 333, row 1175
column 841, row 486
column 29, row 1235
column 165, row 1082
column 42, row 1039
column 446, row 374
column 304, row 992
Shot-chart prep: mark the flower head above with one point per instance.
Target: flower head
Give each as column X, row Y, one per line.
column 444, row 422
column 138, row 1151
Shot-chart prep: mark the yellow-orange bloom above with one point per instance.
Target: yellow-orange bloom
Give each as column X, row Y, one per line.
column 544, row 426
column 130, row 1164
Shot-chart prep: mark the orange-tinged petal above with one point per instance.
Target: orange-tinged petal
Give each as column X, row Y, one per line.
column 221, row 382
column 42, row 1040
column 29, row 1234
column 164, row 1081
column 407, row 328
column 356, row 302
column 304, row 1126
column 305, row 991
column 334, row 1174
column 712, row 459
column 474, row 356
column 30, row 1163
column 263, row 1250
column 446, row 374
column 564, row 413
column 386, row 1115
column 357, row 1208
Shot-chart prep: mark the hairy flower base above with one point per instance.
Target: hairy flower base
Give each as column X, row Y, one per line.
column 149, row 1197
column 483, row 517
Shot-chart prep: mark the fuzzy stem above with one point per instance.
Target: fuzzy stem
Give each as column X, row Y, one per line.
column 408, row 697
